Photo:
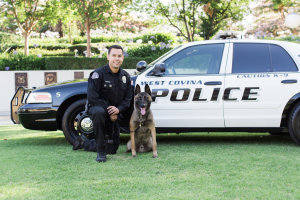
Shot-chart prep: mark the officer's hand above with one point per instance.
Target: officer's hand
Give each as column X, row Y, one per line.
column 113, row 117
column 112, row 110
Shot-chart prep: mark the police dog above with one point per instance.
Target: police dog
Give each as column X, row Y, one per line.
column 142, row 127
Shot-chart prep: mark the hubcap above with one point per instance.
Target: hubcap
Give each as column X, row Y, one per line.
column 87, row 124
column 83, row 124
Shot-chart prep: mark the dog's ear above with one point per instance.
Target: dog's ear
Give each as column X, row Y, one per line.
column 137, row 89
column 147, row 89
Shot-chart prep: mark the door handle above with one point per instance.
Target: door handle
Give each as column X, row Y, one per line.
column 213, row 83
column 288, row 81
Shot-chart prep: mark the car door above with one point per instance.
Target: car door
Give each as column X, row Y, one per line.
column 188, row 94
column 260, row 79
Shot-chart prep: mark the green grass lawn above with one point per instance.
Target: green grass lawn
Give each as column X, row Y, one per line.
column 42, row 165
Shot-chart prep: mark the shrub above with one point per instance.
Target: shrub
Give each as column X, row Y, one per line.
column 79, row 40
column 291, row 38
column 45, row 52
column 82, row 48
column 100, row 39
column 6, row 40
column 48, row 47
column 21, row 62
column 156, row 38
column 148, row 51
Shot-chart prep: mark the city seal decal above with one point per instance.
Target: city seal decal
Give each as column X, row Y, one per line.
column 124, row 79
column 95, row 75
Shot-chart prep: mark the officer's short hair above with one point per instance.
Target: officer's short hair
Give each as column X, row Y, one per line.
column 115, row 47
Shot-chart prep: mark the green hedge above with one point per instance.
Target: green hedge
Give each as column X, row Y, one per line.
column 20, row 62
column 7, row 39
column 82, row 48
column 48, row 47
column 63, row 63
column 101, row 39
column 154, row 37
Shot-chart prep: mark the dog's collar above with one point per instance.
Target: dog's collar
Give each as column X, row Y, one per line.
column 142, row 121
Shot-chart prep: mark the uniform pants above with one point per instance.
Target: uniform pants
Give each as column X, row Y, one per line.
column 103, row 129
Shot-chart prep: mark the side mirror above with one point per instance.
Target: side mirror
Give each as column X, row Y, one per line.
column 141, row 65
column 159, row 69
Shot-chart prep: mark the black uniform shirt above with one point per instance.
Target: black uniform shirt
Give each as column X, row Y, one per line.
column 109, row 89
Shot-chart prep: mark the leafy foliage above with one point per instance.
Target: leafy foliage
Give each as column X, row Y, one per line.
column 97, row 13
column 156, row 38
column 80, row 40
column 216, row 13
column 147, row 50
column 21, row 62
column 6, row 40
column 191, row 17
column 26, row 14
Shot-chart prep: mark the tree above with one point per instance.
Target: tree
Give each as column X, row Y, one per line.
column 282, row 5
column 190, row 17
column 26, row 13
column 97, row 13
column 217, row 13
column 61, row 16
column 268, row 22
column 182, row 15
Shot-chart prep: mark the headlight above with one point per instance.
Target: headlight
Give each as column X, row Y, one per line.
column 39, row 97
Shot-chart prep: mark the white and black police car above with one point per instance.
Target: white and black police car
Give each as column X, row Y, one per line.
column 220, row 85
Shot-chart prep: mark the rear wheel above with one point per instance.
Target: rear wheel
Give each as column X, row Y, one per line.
column 76, row 122
column 294, row 123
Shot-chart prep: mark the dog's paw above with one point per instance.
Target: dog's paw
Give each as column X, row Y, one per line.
column 155, row 156
column 134, row 155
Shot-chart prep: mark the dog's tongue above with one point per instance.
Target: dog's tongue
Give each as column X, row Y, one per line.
column 143, row 111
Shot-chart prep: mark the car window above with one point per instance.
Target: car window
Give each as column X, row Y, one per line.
column 200, row 59
column 250, row 58
column 281, row 60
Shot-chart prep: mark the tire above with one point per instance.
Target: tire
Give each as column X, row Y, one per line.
column 294, row 123
column 73, row 120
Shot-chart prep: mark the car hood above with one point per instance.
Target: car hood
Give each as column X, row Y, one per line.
column 64, row 83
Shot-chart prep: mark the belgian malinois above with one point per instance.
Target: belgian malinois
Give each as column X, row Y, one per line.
column 142, row 127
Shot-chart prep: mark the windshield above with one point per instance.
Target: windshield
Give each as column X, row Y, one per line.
column 161, row 57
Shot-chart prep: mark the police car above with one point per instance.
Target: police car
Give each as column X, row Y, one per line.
column 221, row 85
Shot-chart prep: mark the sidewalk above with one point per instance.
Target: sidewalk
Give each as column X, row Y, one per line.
column 5, row 119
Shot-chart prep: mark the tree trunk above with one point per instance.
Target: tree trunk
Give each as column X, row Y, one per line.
column 70, row 33
column 59, row 28
column 88, row 41
column 26, row 45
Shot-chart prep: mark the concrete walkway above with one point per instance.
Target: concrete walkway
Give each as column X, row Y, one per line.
column 5, row 119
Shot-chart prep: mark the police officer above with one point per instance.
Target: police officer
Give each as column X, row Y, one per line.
column 109, row 94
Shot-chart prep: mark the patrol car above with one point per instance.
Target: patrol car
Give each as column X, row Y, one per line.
column 220, row 85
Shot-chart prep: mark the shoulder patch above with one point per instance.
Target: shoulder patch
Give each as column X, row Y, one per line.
column 95, row 75
column 124, row 79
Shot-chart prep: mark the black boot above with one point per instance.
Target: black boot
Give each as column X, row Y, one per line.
column 78, row 144
column 101, row 157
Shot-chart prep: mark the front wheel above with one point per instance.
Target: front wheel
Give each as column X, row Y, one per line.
column 76, row 122
column 294, row 123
